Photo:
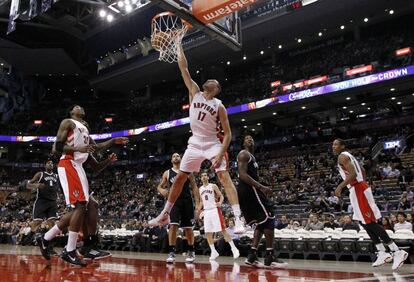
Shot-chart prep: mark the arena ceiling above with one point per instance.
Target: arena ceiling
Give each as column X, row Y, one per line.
column 68, row 38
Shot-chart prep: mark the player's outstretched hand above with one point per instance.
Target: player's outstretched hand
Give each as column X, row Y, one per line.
column 87, row 149
column 121, row 140
column 112, row 157
column 216, row 162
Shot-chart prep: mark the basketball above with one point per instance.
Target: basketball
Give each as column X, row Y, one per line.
column 159, row 40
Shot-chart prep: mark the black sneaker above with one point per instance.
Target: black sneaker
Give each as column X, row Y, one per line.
column 171, row 257
column 43, row 246
column 93, row 254
column 253, row 260
column 273, row 262
column 72, row 257
column 190, row 257
column 51, row 251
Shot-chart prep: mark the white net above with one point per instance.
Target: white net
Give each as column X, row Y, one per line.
column 167, row 33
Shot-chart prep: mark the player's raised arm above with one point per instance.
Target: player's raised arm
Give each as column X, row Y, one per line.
column 162, row 187
column 183, row 65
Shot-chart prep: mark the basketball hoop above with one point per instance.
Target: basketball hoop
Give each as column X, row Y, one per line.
column 167, row 32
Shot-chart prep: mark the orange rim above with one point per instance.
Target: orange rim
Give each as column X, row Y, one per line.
column 154, row 19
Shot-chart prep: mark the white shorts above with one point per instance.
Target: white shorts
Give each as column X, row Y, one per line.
column 200, row 149
column 73, row 180
column 213, row 221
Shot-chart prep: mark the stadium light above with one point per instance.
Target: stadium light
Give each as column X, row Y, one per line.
column 280, row 46
column 244, row 58
column 245, row 126
column 259, row 124
column 351, row 112
column 303, row 108
column 228, row 63
column 391, row 12
column 299, row 40
column 348, row 98
column 342, row 27
column 243, row 119
column 109, row 18
column 320, row 34
column 398, row 103
column 392, row 89
column 261, row 52
column 102, row 13
column 128, row 8
column 368, row 108
column 120, row 4
column 275, row 113
column 344, row 107
column 366, row 20
column 393, row 98
column 362, row 104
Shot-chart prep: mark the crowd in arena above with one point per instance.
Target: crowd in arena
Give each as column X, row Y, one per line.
column 128, row 198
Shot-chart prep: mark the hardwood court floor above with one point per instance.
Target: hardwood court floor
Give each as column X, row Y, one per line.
column 24, row 264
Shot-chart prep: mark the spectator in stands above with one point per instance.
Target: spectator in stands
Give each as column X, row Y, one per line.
column 386, row 223
column 330, row 222
column 394, row 173
column 293, row 224
column 385, row 170
column 314, row 223
column 282, row 223
column 402, row 223
column 349, row 224
column 393, row 219
column 334, row 201
column 404, row 204
column 410, row 194
column 410, row 218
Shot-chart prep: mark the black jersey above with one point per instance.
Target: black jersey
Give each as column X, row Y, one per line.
column 50, row 191
column 185, row 193
column 252, row 169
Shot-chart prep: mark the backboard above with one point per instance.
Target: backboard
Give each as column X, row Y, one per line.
column 226, row 30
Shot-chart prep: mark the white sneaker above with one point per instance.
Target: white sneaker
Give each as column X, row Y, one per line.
column 214, row 255
column 239, row 226
column 399, row 258
column 382, row 258
column 236, row 253
column 162, row 219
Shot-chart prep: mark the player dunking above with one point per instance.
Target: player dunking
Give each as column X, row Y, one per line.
column 213, row 218
column 364, row 206
column 257, row 210
column 182, row 214
column 74, row 143
column 207, row 113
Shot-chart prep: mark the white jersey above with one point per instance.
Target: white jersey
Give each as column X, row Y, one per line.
column 204, row 119
column 208, row 197
column 357, row 167
column 77, row 137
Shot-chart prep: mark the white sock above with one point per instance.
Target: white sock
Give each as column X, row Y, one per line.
column 212, row 248
column 232, row 245
column 380, row 247
column 72, row 239
column 236, row 210
column 393, row 247
column 168, row 206
column 52, row 233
